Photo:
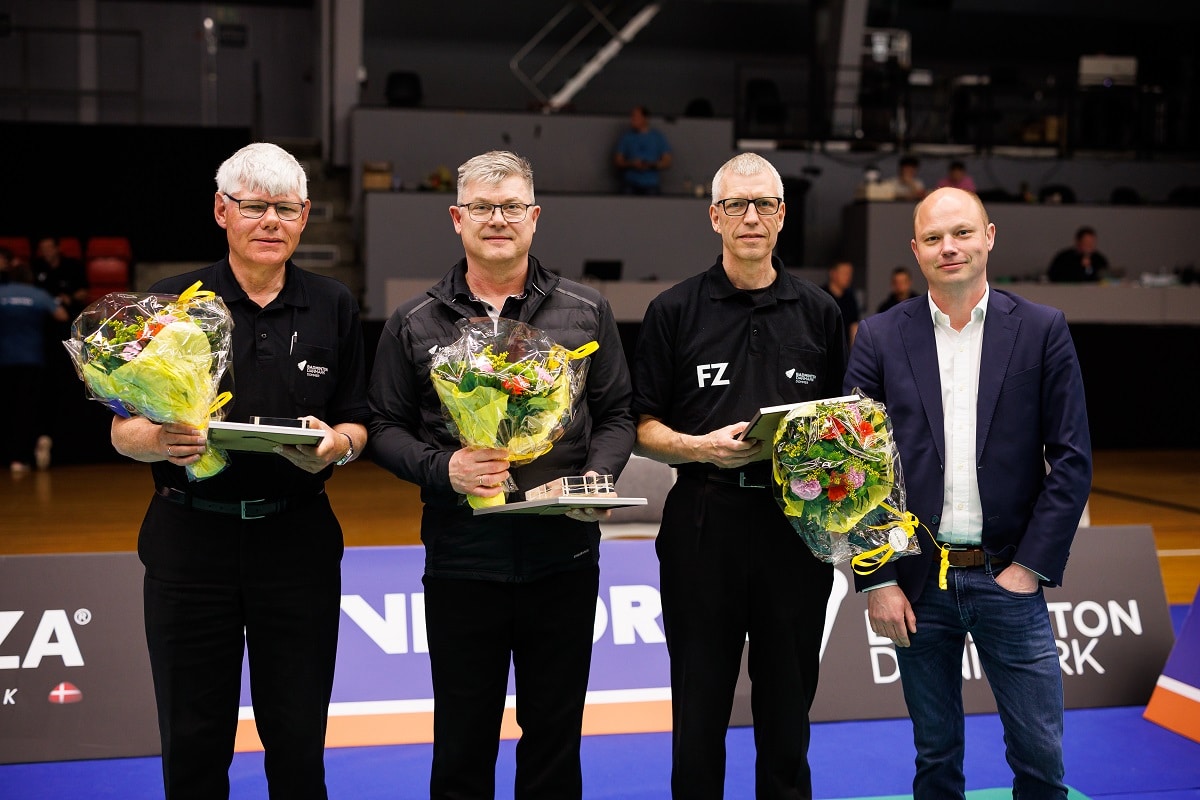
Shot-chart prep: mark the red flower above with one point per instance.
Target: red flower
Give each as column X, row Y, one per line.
column 837, row 489
column 865, row 429
column 832, row 429
column 514, row 385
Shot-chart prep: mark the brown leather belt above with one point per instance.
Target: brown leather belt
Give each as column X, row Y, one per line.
column 971, row 557
column 246, row 509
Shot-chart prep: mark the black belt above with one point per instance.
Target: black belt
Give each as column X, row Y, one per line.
column 246, row 509
column 972, row 557
column 741, row 478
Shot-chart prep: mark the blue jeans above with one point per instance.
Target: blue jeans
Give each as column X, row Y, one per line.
column 1017, row 650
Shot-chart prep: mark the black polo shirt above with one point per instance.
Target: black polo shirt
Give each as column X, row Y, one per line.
column 301, row 355
column 710, row 354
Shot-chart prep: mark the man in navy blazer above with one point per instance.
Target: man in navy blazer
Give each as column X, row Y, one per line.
column 986, row 400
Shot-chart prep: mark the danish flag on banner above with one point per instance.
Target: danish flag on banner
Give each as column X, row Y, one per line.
column 65, row 693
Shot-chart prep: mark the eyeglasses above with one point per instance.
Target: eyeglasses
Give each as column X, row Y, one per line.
column 254, row 209
column 482, row 212
column 737, row 206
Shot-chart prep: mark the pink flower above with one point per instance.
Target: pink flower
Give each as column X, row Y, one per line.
column 806, row 490
column 131, row 350
column 483, row 364
column 855, row 478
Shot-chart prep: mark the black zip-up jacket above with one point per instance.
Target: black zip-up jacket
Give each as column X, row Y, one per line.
column 410, row 438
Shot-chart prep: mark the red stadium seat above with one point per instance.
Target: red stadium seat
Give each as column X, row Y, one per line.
column 70, row 247
column 110, row 246
column 18, row 245
column 106, row 274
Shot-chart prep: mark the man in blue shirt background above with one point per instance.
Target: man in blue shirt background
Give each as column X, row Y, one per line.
column 642, row 153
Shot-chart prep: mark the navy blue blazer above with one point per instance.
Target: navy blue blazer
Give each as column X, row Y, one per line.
column 1030, row 405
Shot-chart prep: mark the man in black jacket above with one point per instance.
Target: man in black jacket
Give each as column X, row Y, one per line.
column 502, row 586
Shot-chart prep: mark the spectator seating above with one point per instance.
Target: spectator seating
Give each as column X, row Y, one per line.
column 70, row 247
column 106, row 274
column 19, row 246
column 110, row 246
column 107, row 263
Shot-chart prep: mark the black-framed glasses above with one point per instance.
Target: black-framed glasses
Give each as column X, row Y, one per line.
column 482, row 212
column 254, row 209
column 738, row 206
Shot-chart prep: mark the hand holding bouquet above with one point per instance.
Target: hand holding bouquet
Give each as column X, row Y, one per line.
column 160, row 356
column 839, row 482
column 506, row 385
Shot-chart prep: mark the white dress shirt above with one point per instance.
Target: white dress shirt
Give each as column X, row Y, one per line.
column 958, row 355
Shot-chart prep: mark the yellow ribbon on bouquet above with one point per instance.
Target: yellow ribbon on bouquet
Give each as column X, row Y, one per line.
column 868, row 561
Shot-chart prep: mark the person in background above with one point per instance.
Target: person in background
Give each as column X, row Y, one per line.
column 957, row 178
column 65, row 279
column 642, row 154
column 713, row 350
column 981, row 385
column 840, row 285
column 24, row 311
column 1081, row 263
column 905, row 185
column 7, row 262
column 901, row 289
column 502, row 586
column 250, row 560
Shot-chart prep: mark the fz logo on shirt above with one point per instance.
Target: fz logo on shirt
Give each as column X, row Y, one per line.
column 714, row 373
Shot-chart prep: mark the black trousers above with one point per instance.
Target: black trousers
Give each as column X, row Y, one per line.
column 217, row 586
column 731, row 566
column 474, row 627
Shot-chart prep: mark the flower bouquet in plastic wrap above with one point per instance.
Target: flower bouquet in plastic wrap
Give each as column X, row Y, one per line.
column 506, row 385
column 157, row 355
column 838, row 478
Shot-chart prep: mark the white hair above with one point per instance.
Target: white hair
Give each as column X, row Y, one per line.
column 745, row 164
column 262, row 167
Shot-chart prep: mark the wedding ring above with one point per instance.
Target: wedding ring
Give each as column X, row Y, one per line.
column 481, row 480
column 169, row 453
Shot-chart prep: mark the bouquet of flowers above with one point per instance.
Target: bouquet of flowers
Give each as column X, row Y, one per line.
column 160, row 356
column 839, row 482
column 506, row 385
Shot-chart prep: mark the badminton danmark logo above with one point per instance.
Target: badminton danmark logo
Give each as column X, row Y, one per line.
column 312, row 370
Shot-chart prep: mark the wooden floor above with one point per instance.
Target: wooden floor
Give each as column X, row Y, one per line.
column 97, row 508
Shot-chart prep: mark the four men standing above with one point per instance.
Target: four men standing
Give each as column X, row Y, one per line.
column 960, row 371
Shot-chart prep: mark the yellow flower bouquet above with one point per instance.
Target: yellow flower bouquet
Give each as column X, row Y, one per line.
column 506, row 385
column 839, row 482
column 160, row 356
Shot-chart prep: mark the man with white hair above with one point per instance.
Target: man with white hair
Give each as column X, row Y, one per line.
column 250, row 559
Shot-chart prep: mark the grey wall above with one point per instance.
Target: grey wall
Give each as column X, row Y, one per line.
column 570, row 154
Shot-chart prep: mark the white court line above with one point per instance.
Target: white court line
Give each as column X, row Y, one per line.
column 1170, row 553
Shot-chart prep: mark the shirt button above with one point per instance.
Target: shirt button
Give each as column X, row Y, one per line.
column 262, row 336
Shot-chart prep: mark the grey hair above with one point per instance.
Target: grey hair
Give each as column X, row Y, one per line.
column 745, row 164
column 493, row 168
column 262, row 167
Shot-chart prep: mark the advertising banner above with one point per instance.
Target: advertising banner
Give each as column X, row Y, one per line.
column 75, row 681
column 74, row 674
